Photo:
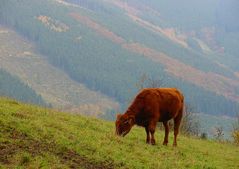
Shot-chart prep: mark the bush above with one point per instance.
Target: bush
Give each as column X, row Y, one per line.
column 235, row 136
column 204, row 136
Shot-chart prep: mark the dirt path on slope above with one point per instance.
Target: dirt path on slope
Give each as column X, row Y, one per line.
column 19, row 142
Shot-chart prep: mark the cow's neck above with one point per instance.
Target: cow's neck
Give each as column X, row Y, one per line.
column 132, row 110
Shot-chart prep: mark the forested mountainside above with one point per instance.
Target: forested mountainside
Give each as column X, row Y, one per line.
column 109, row 45
column 20, row 58
column 11, row 86
column 214, row 22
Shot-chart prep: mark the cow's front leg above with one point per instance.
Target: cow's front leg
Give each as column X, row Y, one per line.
column 152, row 127
column 148, row 135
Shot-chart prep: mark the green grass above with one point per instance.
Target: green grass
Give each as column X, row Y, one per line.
column 34, row 137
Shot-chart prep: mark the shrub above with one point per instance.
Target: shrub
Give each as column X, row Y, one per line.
column 204, row 136
column 235, row 136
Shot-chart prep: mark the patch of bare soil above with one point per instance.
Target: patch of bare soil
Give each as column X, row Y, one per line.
column 21, row 142
column 98, row 28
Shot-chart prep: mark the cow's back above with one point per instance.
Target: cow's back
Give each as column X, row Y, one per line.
column 160, row 103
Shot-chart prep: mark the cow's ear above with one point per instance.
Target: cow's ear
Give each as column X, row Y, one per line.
column 131, row 120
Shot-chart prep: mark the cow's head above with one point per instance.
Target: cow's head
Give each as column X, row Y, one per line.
column 123, row 124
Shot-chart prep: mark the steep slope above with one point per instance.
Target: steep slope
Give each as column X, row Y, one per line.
column 18, row 57
column 33, row 137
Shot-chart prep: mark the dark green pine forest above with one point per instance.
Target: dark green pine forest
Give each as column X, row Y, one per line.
column 11, row 86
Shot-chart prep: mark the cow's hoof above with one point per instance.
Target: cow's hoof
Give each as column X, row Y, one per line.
column 153, row 142
column 165, row 143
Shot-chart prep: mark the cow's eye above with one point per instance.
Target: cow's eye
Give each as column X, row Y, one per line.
column 126, row 121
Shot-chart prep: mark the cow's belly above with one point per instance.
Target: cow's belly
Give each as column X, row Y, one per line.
column 142, row 121
column 166, row 116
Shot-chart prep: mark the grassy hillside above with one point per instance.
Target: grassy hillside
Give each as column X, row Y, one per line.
column 33, row 137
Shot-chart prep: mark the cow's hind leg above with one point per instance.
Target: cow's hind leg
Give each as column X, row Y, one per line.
column 177, row 121
column 148, row 135
column 166, row 127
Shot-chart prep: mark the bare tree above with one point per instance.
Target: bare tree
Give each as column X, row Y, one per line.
column 235, row 131
column 218, row 134
column 146, row 81
column 190, row 124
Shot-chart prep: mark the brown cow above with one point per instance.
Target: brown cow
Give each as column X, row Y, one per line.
column 150, row 106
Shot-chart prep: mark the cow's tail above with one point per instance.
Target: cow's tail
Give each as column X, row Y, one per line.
column 179, row 116
column 183, row 106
